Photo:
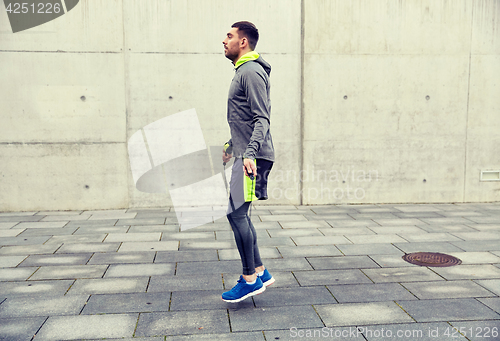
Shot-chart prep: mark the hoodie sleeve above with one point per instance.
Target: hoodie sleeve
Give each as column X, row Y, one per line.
column 255, row 85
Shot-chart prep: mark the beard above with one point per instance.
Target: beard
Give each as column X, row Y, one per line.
column 231, row 55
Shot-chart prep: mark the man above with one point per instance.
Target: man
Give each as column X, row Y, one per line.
column 248, row 115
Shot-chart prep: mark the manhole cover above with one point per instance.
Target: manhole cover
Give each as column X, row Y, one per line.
column 431, row 259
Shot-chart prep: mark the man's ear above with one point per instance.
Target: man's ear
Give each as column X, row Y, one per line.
column 243, row 42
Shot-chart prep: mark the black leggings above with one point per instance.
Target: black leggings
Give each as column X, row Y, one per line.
column 246, row 238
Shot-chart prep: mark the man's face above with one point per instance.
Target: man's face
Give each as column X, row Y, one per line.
column 232, row 44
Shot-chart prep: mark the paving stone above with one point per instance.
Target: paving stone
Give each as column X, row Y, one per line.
column 295, row 232
column 122, row 258
column 417, row 208
column 186, row 256
column 127, row 303
column 325, row 277
column 109, row 285
column 292, row 211
column 308, row 251
column 9, row 219
column 274, row 318
column 69, row 272
column 348, row 333
column 404, row 274
column 7, row 225
column 278, row 297
column 7, row 233
column 170, row 245
column 492, row 302
column 375, row 239
column 476, row 257
column 183, row 322
column 185, row 283
column 66, row 217
column 352, row 222
column 398, row 222
column 287, row 264
column 477, row 245
column 418, row 215
column 60, row 231
column 336, row 231
column 239, row 336
column 446, row 228
column 154, row 228
column 410, row 332
column 447, row 221
column 267, row 225
column 442, row 247
column 492, row 285
column 123, row 218
column 391, row 261
column 88, row 327
column 476, row 330
column 60, row 213
column 21, row 241
column 265, row 253
column 77, row 239
column 98, row 229
column 352, row 314
column 204, row 299
column 461, row 213
column 283, row 217
column 278, row 241
column 478, row 236
column 446, row 289
column 358, row 293
column 323, row 240
column 304, row 224
column 148, row 221
column 133, row 237
column 41, row 225
column 220, row 226
column 369, row 249
column 469, row 272
column 186, row 245
column 135, row 270
column 10, row 261
column 375, row 216
column 485, row 227
column 57, row 259
column 341, row 262
column 92, row 223
column 15, row 274
column 88, row 247
column 35, row 288
column 484, row 220
column 448, row 310
column 191, row 268
column 10, row 214
column 28, row 306
column 429, row 237
column 328, row 217
column 186, row 235
column 20, row 329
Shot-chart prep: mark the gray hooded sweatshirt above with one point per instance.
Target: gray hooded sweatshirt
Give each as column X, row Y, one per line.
column 249, row 109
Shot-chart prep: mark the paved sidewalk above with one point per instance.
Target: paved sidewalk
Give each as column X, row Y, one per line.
column 132, row 275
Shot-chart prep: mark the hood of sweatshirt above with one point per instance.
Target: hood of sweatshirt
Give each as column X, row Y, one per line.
column 252, row 55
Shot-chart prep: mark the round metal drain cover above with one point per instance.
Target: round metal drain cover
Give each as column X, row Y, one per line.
column 431, row 259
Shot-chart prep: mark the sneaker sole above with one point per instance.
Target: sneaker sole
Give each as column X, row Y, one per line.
column 253, row 293
column 269, row 282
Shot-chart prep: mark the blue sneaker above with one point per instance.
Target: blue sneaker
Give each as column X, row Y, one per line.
column 266, row 278
column 243, row 290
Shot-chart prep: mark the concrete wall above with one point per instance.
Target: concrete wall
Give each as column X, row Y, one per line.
column 379, row 94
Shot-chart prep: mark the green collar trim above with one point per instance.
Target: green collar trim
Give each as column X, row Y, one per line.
column 252, row 55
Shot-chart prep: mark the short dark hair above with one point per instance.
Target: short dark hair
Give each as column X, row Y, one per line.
column 249, row 31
